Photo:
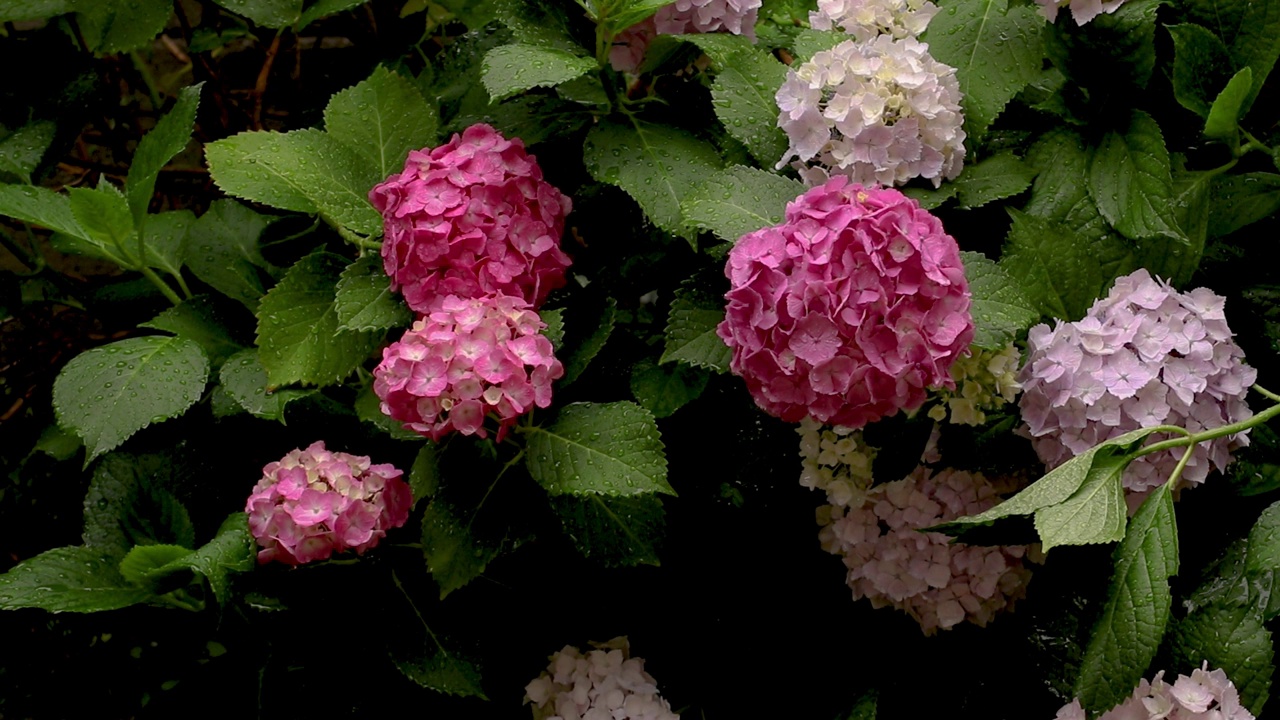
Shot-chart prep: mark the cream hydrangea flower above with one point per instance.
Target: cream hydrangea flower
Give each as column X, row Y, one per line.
column 865, row 19
column 984, row 381
column 603, row 684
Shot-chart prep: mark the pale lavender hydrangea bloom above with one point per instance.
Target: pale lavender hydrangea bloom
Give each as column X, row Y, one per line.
column 1145, row 355
column 1205, row 694
column 879, row 112
column 604, row 684
column 865, row 19
column 1082, row 11
column 706, row 16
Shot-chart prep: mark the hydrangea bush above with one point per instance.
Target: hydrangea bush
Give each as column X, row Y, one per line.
column 576, row 273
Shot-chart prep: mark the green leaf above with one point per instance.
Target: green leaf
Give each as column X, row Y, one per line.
column 165, row 239
column 599, row 448
column 1130, row 181
column 1000, row 308
column 245, row 380
column 554, row 331
column 664, row 389
column 199, row 319
column 455, row 555
column 1262, row 555
column 68, row 579
column 995, row 49
column 103, row 213
column 1227, row 108
column 298, row 337
column 232, row 550
column 616, row 531
column 657, row 165
column 1127, row 634
column 364, row 300
column 864, row 708
column 1058, row 193
column 1175, row 260
column 40, row 206
column 739, row 200
column 17, row 10
column 539, row 23
column 324, row 8
column 168, row 138
column 115, row 26
column 584, row 350
column 147, row 563
column 382, row 119
column 691, row 330
column 811, row 42
column 21, row 151
column 1000, row 176
column 275, row 14
column 128, row 504
column 222, row 250
column 1201, row 67
column 368, row 409
column 1095, row 513
column 511, row 69
column 424, row 475
column 1240, row 200
column 746, row 80
column 930, row 198
column 1060, row 270
column 440, row 670
column 1111, row 55
column 1250, row 30
column 306, row 171
column 109, row 393
column 1234, row 640
column 633, row 11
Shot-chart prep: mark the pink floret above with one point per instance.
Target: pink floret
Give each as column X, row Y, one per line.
column 707, row 16
column 848, row 310
column 472, row 217
column 465, row 361
column 313, row 503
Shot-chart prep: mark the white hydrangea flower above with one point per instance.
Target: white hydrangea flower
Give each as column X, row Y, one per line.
column 835, row 461
column 985, row 381
column 705, row 16
column 880, row 112
column 1204, row 694
column 604, row 684
column 1082, row 11
column 865, row 19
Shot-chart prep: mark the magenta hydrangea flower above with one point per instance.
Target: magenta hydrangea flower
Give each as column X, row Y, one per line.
column 935, row 581
column 605, row 684
column 472, row 217
column 313, row 503
column 1204, row 693
column 848, row 310
column 707, row 16
column 468, row 360
column 1145, row 355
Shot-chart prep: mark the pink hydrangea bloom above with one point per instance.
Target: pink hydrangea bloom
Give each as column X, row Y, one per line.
column 1145, row 355
column 935, row 581
column 848, row 310
column 1204, row 694
column 467, row 360
column 1082, row 11
column 706, row 16
column 630, row 45
column 604, row 684
column 472, row 217
column 313, row 503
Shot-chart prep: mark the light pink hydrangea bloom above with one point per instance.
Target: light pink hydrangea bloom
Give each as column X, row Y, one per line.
column 472, row 217
column 313, row 503
column 1204, row 695
column 935, row 581
column 630, row 45
column 467, row 360
column 1082, row 11
column 865, row 19
column 848, row 310
column 882, row 111
column 604, row 684
column 1144, row 355
column 707, row 16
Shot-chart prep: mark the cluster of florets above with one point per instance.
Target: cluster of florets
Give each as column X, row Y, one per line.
column 881, row 111
column 472, row 217
column 468, row 360
column 313, row 503
column 985, row 381
column 1206, row 694
column 835, row 460
column 865, row 19
column 1082, row 11
column 848, row 310
column 708, row 16
column 1145, row 355
column 935, row 581
column 603, row 684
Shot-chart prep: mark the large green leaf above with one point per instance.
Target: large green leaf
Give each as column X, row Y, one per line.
column 298, row 327
column 276, row 14
column 691, row 330
column 382, row 119
column 324, row 8
column 40, row 206
column 663, row 389
column 511, row 69
column 1000, row 176
column 103, row 213
column 1058, row 193
column 599, row 448
column 21, row 151
column 1225, row 113
column 68, row 579
column 1240, row 200
column 170, row 135
column 739, row 200
column 1201, row 67
column 439, row 669
column 1174, row 259
column 1000, row 307
column 110, row 26
column 1128, row 632
column 995, row 49
column 364, row 299
column 590, row 328
column 747, row 79
column 1250, row 29
column 16, row 10
column 232, row 550
column 245, row 380
column 109, row 393
column 1234, row 640
column 455, row 554
column 199, row 319
column 1095, row 513
column 1130, row 180
column 615, row 531
column 657, row 165
column 1111, row 55
column 129, row 503
column 222, row 250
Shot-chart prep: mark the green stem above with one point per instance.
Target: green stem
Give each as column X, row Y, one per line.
column 396, row 579
column 182, row 284
column 1266, row 393
column 148, row 78
column 356, row 239
column 1182, row 463
column 510, row 463
column 163, row 286
column 1253, row 144
column 1193, row 439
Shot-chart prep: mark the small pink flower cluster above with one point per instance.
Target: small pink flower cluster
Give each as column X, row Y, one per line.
column 467, row 359
column 848, row 310
column 938, row 583
column 1082, row 11
column 1205, row 694
column 604, row 684
column 473, row 240
column 708, row 16
column 1145, row 355
column 313, row 503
